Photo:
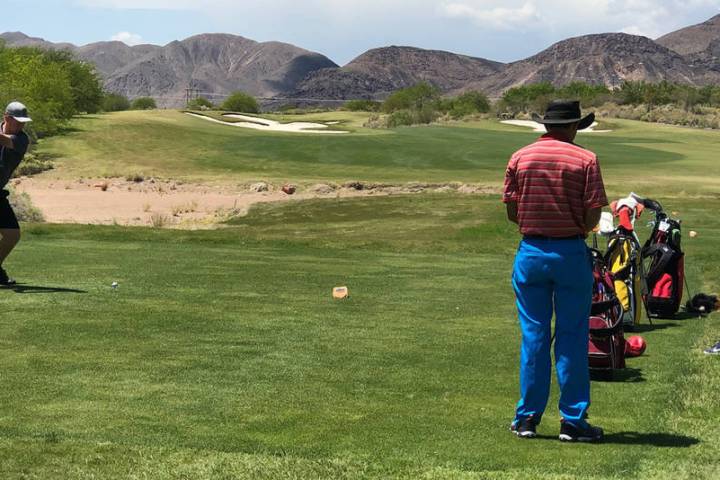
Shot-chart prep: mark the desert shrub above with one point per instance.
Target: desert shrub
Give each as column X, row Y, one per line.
column 241, row 102
column 159, row 220
column 200, row 103
column 143, row 103
column 401, row 118
column 404, row 118
column 362, row 106
column 33, row 164
column 114, row 102
column 24, row 209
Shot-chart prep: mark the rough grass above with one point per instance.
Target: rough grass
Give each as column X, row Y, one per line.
column 221, row 354
column 651, row 158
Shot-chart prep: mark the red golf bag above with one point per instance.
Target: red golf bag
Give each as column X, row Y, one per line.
column 606, row 349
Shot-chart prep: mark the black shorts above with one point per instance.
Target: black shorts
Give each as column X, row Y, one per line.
column 8, row 220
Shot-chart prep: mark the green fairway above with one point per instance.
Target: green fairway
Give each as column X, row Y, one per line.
column 173, row 145
column 221, row 354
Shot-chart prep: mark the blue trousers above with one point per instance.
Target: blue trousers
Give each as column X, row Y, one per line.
column 553, row 275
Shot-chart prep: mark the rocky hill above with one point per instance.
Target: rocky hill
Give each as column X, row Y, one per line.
column 214, row 64
column 694, row 39
column 381, row 71
column 699, row 44
column 19, row 39
column 603, row 59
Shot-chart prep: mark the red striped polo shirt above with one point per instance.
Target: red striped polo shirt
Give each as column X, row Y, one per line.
column 554, row 183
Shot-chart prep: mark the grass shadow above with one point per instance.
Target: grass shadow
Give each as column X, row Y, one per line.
column 662, row 440
column 625, row 375
column 651, row 328
column 22, row 288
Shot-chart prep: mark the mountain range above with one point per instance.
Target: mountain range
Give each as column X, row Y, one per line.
column 215, row 64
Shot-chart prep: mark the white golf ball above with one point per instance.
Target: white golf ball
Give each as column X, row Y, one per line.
column 114, row 285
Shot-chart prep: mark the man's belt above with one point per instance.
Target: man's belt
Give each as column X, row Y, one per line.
column 543, row 237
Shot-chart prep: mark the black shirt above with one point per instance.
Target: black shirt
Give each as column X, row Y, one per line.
column 10, row 158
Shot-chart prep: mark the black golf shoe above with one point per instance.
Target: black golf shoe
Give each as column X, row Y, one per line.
column 525, row 428
column 580, row 433
column 6, row 281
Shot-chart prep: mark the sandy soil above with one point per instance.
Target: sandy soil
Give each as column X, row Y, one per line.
column 257, row 123
column 538, row 127
column 181, row 205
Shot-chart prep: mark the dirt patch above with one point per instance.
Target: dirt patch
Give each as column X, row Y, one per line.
column 183, row 205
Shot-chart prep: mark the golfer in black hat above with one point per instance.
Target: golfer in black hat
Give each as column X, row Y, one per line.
column 13, row 145
column 554, row 191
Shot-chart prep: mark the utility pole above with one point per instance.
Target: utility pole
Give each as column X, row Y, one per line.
column 190, row 94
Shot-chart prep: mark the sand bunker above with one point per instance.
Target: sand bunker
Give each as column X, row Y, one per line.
column 538, row 127
column 187, row 205
column 257, row 123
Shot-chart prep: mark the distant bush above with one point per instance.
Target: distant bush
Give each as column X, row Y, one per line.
column 143, row 103
column 362, row 106
column 469, row 103
column 700, row 117
column 200, row 103
column 412, row 98
column 114, row 102
column 401, row 118
column 241, row 102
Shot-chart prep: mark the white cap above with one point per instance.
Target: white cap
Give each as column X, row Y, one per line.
column 18, row 111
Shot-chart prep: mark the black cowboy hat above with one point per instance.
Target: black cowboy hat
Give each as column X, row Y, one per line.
column 564, row 112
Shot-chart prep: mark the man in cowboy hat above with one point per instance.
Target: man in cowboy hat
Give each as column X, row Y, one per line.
column 13, row 145
column 554, row 191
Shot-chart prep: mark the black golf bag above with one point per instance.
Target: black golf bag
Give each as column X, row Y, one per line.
column 664, row 263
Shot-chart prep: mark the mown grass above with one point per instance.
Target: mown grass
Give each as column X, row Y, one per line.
column 651, row 158
column 221, row 354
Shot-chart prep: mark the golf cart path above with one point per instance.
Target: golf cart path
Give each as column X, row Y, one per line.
column 182, row 205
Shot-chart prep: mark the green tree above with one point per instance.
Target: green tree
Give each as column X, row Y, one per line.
column 143, row 103
column 240, row 102
column 362, row 106
column 527, row 98
column 417, row 97
column 52, row 84
column 468, row 103
column 26, row 74
column 114, row 102
column 85, row 83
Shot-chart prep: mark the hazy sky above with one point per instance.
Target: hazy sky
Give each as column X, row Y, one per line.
column 342, row 29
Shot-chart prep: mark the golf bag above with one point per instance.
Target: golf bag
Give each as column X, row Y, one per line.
column 664, row 265
column 606, row 349
column 624, row 259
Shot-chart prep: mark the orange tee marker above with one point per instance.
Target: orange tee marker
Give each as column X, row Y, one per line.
column 340, row 293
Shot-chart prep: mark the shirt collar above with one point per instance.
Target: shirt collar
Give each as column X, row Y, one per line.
column 555, row 136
